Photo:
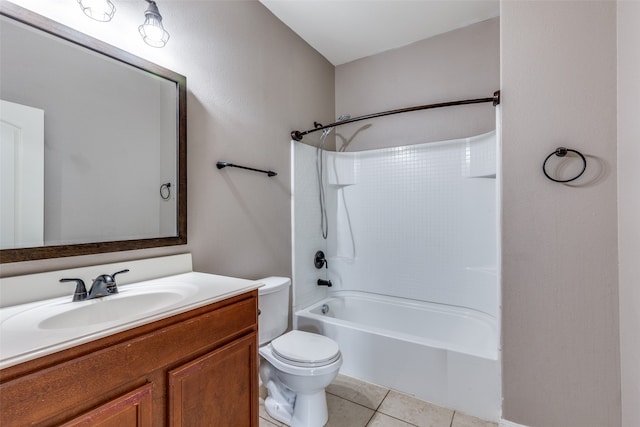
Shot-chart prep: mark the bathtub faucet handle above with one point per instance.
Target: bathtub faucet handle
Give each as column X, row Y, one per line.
column 319, row 260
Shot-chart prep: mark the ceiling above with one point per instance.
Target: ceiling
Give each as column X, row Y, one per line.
column 346, row 30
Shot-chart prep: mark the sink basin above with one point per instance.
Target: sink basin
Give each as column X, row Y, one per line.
column 130, row 303
column 109, row 310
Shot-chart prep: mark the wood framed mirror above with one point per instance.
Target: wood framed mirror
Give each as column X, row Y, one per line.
column 107, row 171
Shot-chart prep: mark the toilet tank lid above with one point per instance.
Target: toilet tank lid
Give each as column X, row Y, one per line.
column 273, row 284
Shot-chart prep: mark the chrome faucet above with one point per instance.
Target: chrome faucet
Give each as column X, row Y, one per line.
column 102, row 286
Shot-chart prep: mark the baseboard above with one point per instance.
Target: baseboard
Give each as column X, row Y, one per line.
column 505, row 423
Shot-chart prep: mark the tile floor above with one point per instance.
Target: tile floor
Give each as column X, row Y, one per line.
column 354, row 403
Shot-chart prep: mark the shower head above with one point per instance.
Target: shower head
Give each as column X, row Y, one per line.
column 342, row 118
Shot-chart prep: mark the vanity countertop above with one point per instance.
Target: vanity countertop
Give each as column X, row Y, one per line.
column 35, row 329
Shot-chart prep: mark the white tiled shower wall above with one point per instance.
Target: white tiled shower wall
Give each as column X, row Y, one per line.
column 417, row 222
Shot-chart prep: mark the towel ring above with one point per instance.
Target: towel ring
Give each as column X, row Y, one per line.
column 165, row 191
column 561, row 152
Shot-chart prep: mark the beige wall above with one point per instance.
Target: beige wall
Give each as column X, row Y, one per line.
column 251, row 80
column 460, row 64
column 629, row 206
column 560, row 266
column 247, row 71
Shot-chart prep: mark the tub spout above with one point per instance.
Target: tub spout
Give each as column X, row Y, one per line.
column 325, row 283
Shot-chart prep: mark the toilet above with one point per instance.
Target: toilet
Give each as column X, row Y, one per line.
column 296, row 366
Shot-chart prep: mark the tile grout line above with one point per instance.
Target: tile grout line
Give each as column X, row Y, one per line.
column 371, row 418
column 377, row 411
column 385, row 396
column 396, row 418
column 356, row 403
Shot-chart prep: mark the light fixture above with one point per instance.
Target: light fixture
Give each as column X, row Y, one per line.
column 100, row 10
column 152, row 31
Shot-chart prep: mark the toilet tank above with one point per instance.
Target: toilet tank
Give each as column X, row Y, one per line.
column 273, row 302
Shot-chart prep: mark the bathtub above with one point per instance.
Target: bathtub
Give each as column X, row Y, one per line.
column 444, row 354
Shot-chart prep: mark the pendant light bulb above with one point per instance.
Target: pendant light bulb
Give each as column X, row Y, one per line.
column 100, row 10
column 152, row 31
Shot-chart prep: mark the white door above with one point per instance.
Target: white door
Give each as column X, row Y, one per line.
column 21, row 176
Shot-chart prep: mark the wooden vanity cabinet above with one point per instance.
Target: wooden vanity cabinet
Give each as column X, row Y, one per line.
column 132, row 409
column 198, row 368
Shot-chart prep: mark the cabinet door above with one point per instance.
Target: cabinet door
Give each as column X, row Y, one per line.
column 217, row 389
column 132, row 409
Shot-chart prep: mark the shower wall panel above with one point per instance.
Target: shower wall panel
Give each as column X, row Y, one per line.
column 306, row 232
column 416, row 222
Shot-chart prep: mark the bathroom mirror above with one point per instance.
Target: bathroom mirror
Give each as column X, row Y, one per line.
column 93, row 144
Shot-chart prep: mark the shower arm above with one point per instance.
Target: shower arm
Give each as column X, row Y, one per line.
column 495, row 99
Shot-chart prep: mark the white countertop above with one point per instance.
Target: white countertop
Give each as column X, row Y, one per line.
column 21, row 341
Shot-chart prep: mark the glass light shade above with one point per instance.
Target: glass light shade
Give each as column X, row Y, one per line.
column 100, row 10
column 152, row 31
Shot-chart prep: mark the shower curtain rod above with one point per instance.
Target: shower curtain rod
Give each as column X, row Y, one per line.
column 495, row 99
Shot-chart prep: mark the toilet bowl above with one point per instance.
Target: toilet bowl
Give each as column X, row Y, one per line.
column 295, row 367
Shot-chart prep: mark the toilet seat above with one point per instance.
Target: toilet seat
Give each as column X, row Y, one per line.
column 304, row 349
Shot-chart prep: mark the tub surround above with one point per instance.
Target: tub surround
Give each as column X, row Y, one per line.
column 416, row 221
column 394, row 230
column 412, row 245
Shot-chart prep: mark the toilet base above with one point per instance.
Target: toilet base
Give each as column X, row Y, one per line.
column 276, row 411
column 309, row 410
column 279, row 402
